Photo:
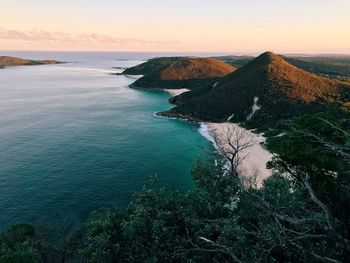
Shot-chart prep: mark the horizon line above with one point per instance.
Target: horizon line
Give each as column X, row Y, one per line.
column 238, row 53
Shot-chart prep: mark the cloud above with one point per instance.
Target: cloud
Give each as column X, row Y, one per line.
column 45, row 36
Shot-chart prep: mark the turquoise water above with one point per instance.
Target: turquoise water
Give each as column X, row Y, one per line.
column 74, row 138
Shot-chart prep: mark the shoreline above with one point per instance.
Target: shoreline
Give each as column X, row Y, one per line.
column 172, row 92
column 176, row 92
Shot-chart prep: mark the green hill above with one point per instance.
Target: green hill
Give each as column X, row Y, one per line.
column 178, row 72
column 268, row 87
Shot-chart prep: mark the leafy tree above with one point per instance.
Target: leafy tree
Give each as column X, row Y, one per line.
column 102, row 238
column 17, row 245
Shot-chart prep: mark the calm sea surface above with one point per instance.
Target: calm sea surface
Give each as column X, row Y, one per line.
column 74, row 138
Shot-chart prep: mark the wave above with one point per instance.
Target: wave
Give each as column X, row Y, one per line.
column 205, row 131
column 157, row 115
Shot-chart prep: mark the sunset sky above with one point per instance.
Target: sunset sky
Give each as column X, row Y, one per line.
column 289, row 26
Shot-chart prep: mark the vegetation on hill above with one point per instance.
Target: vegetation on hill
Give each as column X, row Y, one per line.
column 6, row 61
column 330, row 66
column 267, row 88
column 178, row 72
column 236, row 61
column 336, row 66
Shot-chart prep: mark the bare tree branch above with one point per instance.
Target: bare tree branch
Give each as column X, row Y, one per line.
column 233, row 146
column 223, row 248
column 318, row 202
column 216, row 248
column 343, row 151
column 318, row 257
column 335, row 127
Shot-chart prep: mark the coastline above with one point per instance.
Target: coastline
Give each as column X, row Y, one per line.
column 172, row 92
column 32, row 65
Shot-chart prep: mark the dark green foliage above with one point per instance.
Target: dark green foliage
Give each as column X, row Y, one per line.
column 17, row 245
column 102, row 238
column 155, row 226
column 316, row 147
column 165, row 226
column 276, row 221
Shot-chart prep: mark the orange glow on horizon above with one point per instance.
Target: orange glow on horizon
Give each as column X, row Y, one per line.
column 318, row 26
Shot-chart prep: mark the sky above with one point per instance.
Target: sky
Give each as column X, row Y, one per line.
column 237, row 26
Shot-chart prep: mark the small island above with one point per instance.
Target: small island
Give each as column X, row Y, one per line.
column 7, row 61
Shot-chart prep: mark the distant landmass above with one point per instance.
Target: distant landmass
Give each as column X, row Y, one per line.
column 178, row 72
column 7, row 61
column 267, row 86
column 333, row 66
column 236, row 61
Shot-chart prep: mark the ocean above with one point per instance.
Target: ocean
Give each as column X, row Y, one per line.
column 75, row 138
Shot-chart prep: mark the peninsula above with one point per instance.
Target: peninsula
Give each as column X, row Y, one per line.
column 7, row 61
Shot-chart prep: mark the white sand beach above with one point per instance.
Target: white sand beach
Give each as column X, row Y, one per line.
column 133, row 76
column 254, row 164
column 176, row 92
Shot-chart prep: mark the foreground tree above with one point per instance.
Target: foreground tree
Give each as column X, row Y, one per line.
column 19, row 245
column 233, row 145
column 102, row 240
column 322, row 170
